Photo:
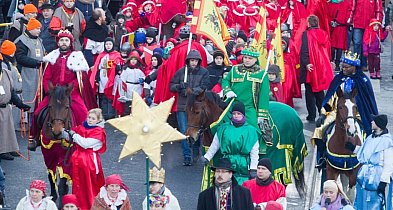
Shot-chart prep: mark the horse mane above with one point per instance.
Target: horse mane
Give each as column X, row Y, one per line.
column 210, row 96
column 59, row 93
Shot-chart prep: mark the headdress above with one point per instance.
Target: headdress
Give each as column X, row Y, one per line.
column 251, row 51
column 350, row 58
column 156, row 175
column 38, row 184
column 65, row 33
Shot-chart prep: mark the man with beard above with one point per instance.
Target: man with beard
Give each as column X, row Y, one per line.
column 70, row 18
column 197, row 81
column 225, row 193
column 95, row 33
column 60, row 72
column 264, row 188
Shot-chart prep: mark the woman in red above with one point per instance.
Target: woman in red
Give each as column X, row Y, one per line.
column 87, row 175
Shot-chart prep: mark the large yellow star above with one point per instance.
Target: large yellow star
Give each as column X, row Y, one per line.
column 146, row 128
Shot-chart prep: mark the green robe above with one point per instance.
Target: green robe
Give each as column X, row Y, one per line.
column 247, row 84
column 236, row 144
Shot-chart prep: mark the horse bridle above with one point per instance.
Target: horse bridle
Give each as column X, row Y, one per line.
column 201, row 127
column 342, row 125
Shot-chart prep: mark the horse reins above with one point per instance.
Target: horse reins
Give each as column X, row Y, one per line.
column 201, row 127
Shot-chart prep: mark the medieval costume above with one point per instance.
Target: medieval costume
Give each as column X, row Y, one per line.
column 291, row 85
column 104, row 201
column 263, row 191
column 69, row 18
column 164, row 197
column 315, row 69
column 250, row 85
column 29, row 54
column 151, row 72
column 103, row 73
column 276, row 90
column 377, row 166
column 87, row 173
column 148, row 49
column 237, row 141
column 225, row 195
column 41, row 203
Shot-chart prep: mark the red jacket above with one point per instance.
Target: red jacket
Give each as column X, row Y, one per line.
column 339, row 12
column 364, row 10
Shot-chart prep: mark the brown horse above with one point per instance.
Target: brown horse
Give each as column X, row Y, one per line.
column 206, row 108
column 340, row 160
column 54, row 148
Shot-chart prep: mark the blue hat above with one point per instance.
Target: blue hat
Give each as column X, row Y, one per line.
column 158, row 50
column 139, row 37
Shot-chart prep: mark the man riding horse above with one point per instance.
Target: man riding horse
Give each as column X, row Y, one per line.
column 349, row 78
column 65, row 66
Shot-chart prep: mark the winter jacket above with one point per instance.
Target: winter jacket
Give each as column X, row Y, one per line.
column 197, row 80
column 375, row 46
column 364, row 10
column 216, row 74
column 48, row 40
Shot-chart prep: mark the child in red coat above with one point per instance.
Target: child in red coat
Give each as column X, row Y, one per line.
column 276, row 91
column 87, row 174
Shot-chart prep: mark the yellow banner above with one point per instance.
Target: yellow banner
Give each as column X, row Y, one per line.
column 260, row 37
column 278, row 57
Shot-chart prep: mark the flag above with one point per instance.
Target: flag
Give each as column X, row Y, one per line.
column 260, row 41
column 207, row 21
column 278, row 57
column 170, row 8
column 127, row 38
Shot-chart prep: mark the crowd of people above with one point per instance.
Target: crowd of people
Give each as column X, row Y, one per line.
column 101, row 52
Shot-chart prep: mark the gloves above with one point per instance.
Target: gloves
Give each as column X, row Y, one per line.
column 349, row 146
column 141, row 81
column 119, row 69
column 70, row 28
column 266, row 129
column 183, row 85
column 149, row 100
column 18, row 102
column 204, row 160
column 381, row 188
column 231, row 94
column 252, row 173
column 148, row 80
column 321, row 119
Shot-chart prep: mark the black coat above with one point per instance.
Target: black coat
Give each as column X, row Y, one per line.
column 304, row 58
column 241, row 198
column 216, row 74
column 197, row 80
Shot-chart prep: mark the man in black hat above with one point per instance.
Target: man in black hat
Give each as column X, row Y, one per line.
column 377, row 165
column 225, row 193
column 264, row 188
column 48, row 40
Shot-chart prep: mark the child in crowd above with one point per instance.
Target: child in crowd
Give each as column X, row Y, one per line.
column 118, row 29
column 87, row 174
column 169, row 45
column 150, row 81
column 36, row 198
column 372, row 48
column 113, row 195
column 276, row 91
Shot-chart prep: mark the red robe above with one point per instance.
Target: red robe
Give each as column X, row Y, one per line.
column 340, row 13
column 291, row 85
column 86, row 183
column 176, row 60
column 320, row 9
column 114, row 58
column 319, row 52
column 148, row 52
column 277, row 91
column 263, row 194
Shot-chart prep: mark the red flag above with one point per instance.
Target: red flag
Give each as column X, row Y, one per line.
column 170, row 8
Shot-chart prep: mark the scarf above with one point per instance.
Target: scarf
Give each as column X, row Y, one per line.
column 332, row 206
column 238, row 123
column 223, row 194
column 261, row 182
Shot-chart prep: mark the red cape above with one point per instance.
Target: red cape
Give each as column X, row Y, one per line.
column 319, row 50
column 320, row 9
column 340, row 12
column 291, row 85
column 176, row 60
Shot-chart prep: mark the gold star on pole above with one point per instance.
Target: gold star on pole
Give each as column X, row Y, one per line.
column 146, row 128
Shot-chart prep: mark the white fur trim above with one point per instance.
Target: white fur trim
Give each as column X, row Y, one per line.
column 132, row 4
column 236, row 13
column 148, row 2
column 77, row 62
column 250, row 14
column 52, row 56
column 224, row 7
column 272, row 6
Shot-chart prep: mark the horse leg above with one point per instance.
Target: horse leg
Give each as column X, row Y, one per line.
column 300, row 184
column 63, row 190
column 53, row 192
column 352, row 182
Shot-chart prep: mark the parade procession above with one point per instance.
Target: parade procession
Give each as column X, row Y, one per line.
column 196, row 104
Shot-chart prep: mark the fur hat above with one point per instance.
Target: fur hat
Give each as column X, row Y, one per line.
column 29, row 8
column 8, row 48
column 33, row 24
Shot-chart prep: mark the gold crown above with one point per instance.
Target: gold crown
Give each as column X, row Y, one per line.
column 351, row 58
column 156, row 175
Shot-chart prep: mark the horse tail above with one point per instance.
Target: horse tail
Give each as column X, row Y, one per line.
column 300, row 184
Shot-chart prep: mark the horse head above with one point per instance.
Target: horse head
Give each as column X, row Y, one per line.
column 59, row 110
column 197, row 115
column 347, row 111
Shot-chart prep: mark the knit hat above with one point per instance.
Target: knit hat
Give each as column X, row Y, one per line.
column 151, row 32
column 242, row 35
column 33, row 24
column 251, row 51
column 218, row 53
column 266, row 162
column 380, row 120
column 158, row 57
column 8, row 48
column 116, row 179
column 158, row 50
column 139, row 37
column 273, row 205
column 372, row 21
column 29, row 8
column 70, row 199
column 184, row 32
column 239, row 107
column 273, row 69
column 38, row 184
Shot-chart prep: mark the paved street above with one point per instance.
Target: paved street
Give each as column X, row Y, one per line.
column 182, row 181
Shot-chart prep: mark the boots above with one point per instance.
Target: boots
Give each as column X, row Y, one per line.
column 378, row 75
column 372, row 75
column 63, row 190
column 53, row 192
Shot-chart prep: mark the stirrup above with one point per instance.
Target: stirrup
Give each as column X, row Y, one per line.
column 32, row 144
